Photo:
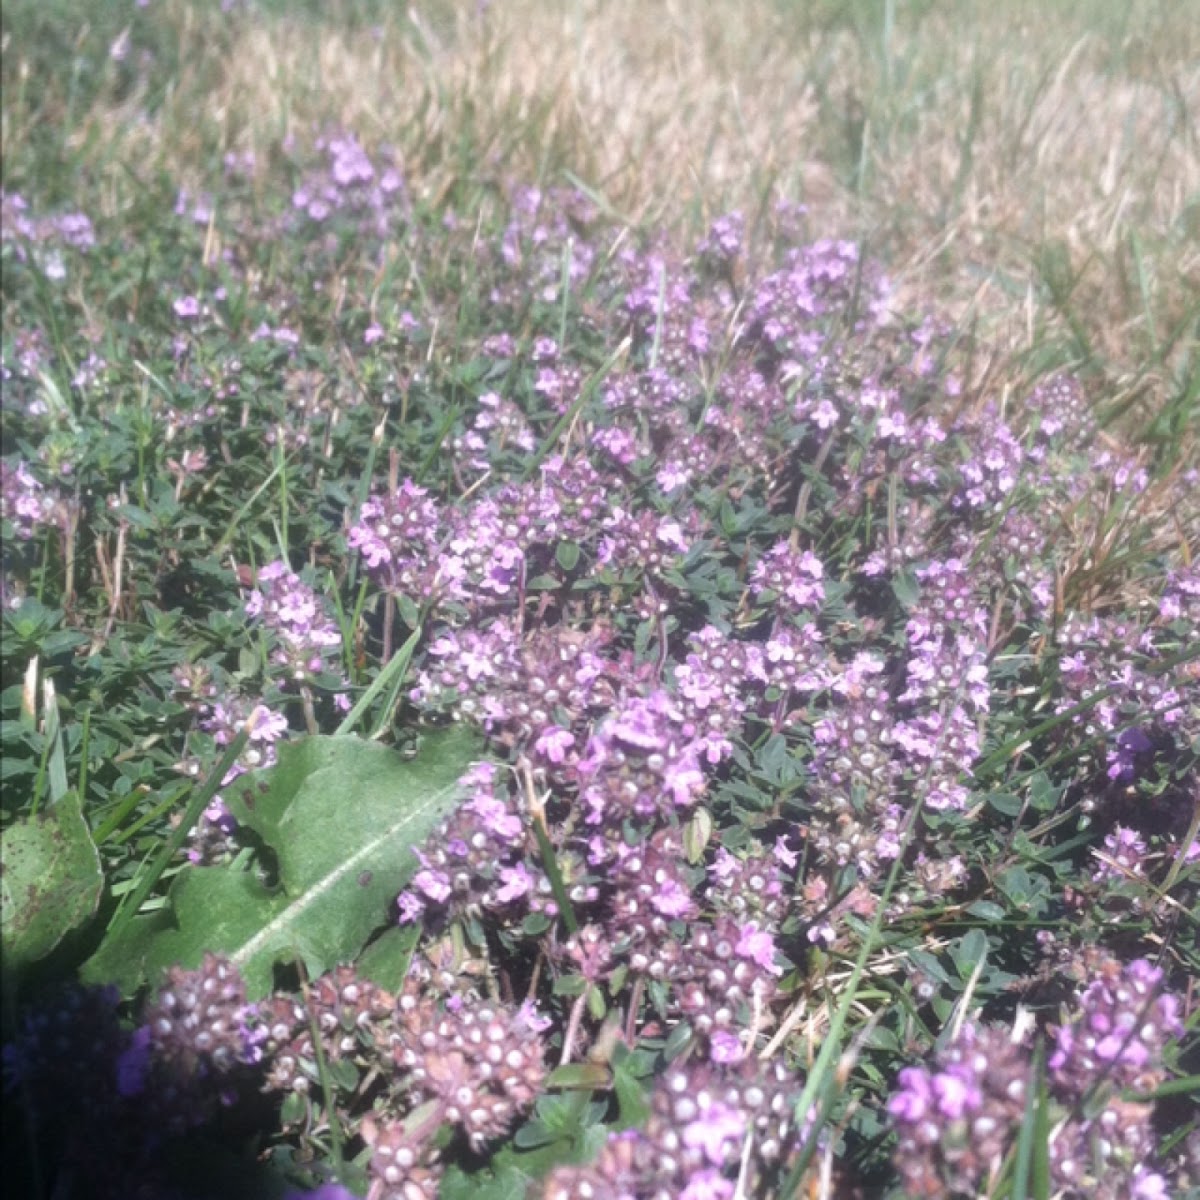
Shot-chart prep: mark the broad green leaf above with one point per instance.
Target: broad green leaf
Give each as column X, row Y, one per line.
column 51, row 881
column 341, row 816
column 385, row 961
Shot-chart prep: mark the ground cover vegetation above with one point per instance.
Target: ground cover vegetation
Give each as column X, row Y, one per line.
column 573, row 630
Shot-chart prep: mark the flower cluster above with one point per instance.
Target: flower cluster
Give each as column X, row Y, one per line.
column 954, row 1121
column 540, row 235
column 43, row 239
column 1109, row 669
column 476, row 859
column 397, row 536
column 447, row 1058
column 104, row 1100
column 957, row 1119
column 639, row 763
column 481, row 1064
column 823, row 277
column 196, row 1033
column 707, row 1127
column 26, row 502
column 498, row 428
column 791, row 576
column 297, row 615
column 350, row 184
column 713, row 688
column 533, row 691
column 221, row 716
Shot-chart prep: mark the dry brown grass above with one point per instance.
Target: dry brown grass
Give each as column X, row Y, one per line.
column 1026, row 163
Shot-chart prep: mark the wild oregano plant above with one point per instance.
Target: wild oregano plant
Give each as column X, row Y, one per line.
column 790, row 788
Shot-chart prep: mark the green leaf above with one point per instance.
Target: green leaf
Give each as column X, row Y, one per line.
column 970, row 950
column 927, row 963
column 906, row 588
column 533, row 1134
column 513, row 1172
column 1026, row 892
column 1005, row 803
column 341, row 816
column 385, row 961
column 1043, row 795
column 578, row 1077
column 507, row 1182
column 633, row 1101
column 51, row 881
column 567, row 554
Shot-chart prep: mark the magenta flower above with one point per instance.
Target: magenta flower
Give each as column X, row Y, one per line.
column 758, row 946
column 707, row 1185
column 434, row 884
column 726, row 1047
column 956, row 1092
column 517, row 883
column 717, row 1131
column 553, row 743
column 673, row 900
column 914, row 1098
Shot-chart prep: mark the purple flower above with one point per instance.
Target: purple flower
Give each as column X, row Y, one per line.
column 726, row 1047
column 1126, row 848
column 717, row 1131
column 724, row 865
column 1117, row 1031
column 517, row 883
column 434, row 884
column 554, row 743
column 914, row 1097
column 187, row 308
column 723, row 241
column 529, row 1017
column 707, row 1185
column 785, row 855
column 956, row 1092
column 673, row 900
column 683, row 778
column 791, row 575
column 825, row 415
column 1149, row 1185
column 758, row 946
column 134, row 1063
column 638, row 725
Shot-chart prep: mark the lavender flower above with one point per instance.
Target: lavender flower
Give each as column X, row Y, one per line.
column 26, row 502
column 706, row 1125
column 298, row 616
column 956, row 1119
